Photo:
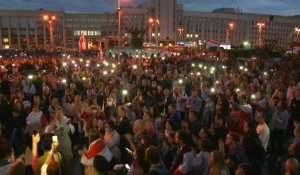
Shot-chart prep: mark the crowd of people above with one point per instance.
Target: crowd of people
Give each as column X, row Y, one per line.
column 162, row 115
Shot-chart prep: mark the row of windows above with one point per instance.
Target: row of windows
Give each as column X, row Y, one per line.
column 86, row 32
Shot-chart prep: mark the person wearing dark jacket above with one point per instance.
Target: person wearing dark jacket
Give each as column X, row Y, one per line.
column 152, row 155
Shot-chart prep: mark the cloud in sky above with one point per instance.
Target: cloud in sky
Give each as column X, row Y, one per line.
column 276, row 7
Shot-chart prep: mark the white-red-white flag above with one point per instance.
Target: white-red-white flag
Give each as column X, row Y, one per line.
column 100, row 52
column 82, row 42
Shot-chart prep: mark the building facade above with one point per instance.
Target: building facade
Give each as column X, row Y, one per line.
column 159, row 22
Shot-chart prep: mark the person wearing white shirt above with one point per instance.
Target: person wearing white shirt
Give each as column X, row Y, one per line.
column 263, row 130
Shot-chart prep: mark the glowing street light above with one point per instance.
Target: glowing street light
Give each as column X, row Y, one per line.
column 260, row 25
column 297, row 30
column 50, row 20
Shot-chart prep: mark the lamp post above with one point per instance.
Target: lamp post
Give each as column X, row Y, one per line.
column 229, row 30
column 119, row 24
column 260, row 25
column 153, row 22
column 180, row 31
column 50, row 20
column 297, row 30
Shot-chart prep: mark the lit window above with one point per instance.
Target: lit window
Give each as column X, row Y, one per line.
column 76, row 33
column 158, row 34
column 153, row 34
column 6, row 46
column 90, row 33
column 5, row 40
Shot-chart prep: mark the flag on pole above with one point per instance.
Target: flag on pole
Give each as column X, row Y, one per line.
column 82, row 42
column 100, row 52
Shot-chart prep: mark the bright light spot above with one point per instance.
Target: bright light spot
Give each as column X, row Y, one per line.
column 64, row 81
column 64, row 64
column 105, row 72
column 134, row 66
column 193, row 64
column 180, row 81
column 30, row 77
column 241, row 67
column 212, row 90
column 124, row 92
column 253, row 96
column 98, row 65
column 83, row 78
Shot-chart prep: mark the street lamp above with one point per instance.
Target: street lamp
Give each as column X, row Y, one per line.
column 180, row 30
column 297, row 30
column 153, row 22
column 229, row 30
column 119, row 23
column 50, row 20
column 260, row 26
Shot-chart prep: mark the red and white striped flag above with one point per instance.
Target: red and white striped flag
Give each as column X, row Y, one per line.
column 82, row 42
column 100, row 52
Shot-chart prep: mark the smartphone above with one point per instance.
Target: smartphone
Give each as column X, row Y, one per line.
column 127, row 166
column 54, row 139
column 128, row 150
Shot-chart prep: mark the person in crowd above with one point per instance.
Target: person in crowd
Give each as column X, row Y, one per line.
column 112, row 139
column 194, row 102
column 263, row 130
column 217, row 164
column 35, row 121
column 182, row 162
column 101, row 166
column 200, row 163
column 157, row 167
column 175, row 116
column 139, row 166
column 292, row 167
column 194, row 123
column 244, row 169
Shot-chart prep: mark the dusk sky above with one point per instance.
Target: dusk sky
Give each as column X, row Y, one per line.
column 276, row 7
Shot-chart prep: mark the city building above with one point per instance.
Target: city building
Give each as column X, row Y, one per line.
column 158, row 23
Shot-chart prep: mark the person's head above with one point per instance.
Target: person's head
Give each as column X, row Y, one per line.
column 172, row 108
column 261, row 117
column 297, row 131
column 47, row 143
column 192, row 115
column 109, row 126
column 77, row 99
column 244, row 169
column 292, row 166
column 93, row 135
column 138, row 126
column 35, row 108
column 36, row 100
column 181, row 137
column 53, row 168
column 205, row 133
column 194, row 93
column 101, row 164
column 122, row 111
column 232, row 139
column 147, row 116
column 152, row 155
column 216, row 158
column 59, row 113
column 249, row 126
column 205, row 145
column 72, row 86
column 203, row 85
column 219, row 121
column 169, row 125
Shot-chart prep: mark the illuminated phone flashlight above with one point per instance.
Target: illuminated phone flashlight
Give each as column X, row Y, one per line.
column 105, row 63
column 163, row 58
column 217, row 82
column 253, row 96
column 73, row 62
column 112, row 71
column 124, row 92
column 134, row 66
column 75, row 65
column 200, row 65
column 241, row 67
column 198, row 73
column 88, row 61
column 44, row 71
column 113, row 65
column 64, row 81
column 180, row 81
column 213, row 68
column 212, row 90
column 64, row 64
column 224, row 67
column 69, row 56
column 87, row 65
column 83, row 78
column 193, row 64
column 205, row 67
column 98, row 65
column 13, row 65
column 30, row 77
column 114, row 56
column 245, row 69
column 105, row 72
column 265, row 73
column 192, row 73
column 237, row 90
column 81, row 60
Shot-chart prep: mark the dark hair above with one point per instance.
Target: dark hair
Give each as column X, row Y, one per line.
column 53, row 169
column 152, row 155
column 251, row 125
column 235, row 136
column 47, row 143
column 93, row 135
column 247, row 168
column 183, row 136
column 205, row 144
column 5, row 150
column 195, row 113
column 111, row 124
column 101, row 164
column 170, row 123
